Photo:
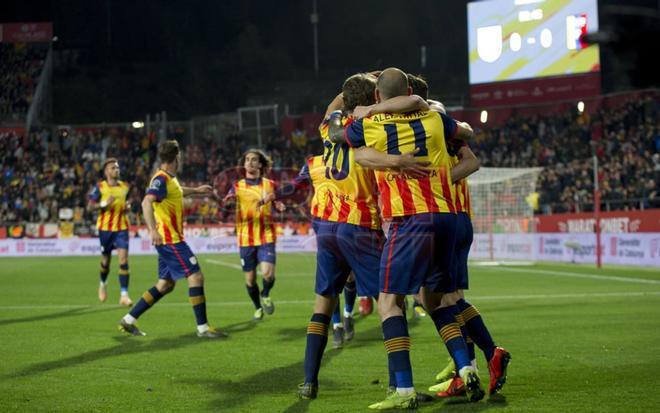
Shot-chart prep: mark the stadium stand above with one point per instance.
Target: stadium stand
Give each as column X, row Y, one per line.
column 20, row 66
column 45, row 171
column 626, row 140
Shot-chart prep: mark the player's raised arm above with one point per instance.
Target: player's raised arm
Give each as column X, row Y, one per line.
column 336, row 104
column 467, row 165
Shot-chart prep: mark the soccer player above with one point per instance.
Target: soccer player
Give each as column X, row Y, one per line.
column 162, row 207
column 468, row 164
column 475, row 330
column 464, row 162
column 255, row 229
column 343, row 330
column 348, row 234
column 109, row 198
column 420, row 247
column 346, row 223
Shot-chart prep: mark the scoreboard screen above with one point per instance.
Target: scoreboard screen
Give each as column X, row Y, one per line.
column 527, row 39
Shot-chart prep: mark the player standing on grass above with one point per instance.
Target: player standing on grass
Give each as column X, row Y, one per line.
column 109, row 198
column 346, row 223
column 463, row 163
column 255, row 229
column 420, row 247
column 472, row 324
column 163, row 213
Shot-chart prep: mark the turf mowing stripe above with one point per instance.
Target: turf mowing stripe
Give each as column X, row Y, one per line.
column 308, row 302
column 578, row 275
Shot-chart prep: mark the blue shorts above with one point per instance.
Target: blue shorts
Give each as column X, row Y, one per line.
column 251, row 256
column 176, row 261
column 113, row 239
column 464, row 236
column 344, row 247
column 419, row 251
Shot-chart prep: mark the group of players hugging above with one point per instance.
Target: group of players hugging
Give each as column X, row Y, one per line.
column 392, row 217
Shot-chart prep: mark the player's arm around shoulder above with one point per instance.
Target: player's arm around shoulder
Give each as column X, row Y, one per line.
column 467, row 165
column 337, row 104
column 398, row 104
column 437, row 106
column 405, row 163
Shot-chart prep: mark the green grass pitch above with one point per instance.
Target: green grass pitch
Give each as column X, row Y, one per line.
column 580, row 339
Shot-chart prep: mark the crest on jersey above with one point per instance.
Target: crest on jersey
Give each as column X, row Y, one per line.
column 155, row 184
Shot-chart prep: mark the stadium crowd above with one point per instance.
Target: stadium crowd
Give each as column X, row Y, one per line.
column 45, row 171
column 626, row 140
column 20, row 67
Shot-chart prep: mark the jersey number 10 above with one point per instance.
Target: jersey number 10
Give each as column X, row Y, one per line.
column 331, row 171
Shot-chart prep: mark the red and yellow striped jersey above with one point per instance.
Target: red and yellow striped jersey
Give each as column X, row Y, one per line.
column 168, row 208
column 112, row 217
column 344, row 191
column 396, row 133
column 254, row 222
column 462, row 192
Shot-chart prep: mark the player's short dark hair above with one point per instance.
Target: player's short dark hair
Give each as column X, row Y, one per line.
column 358, row 90
column 419, row 85
column 168, row 150
column 107, row 162
column 264, row 159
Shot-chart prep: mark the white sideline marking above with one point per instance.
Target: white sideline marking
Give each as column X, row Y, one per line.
column 310, row 302
column 573, row 295
column 238, row 267
column 225, row 264
column 95, row 306
column 580, row 275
